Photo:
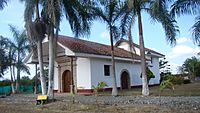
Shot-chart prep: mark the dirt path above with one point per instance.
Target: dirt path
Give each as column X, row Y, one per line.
column 25, row 103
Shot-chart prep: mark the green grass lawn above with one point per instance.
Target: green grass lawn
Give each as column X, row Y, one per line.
column 192, row 89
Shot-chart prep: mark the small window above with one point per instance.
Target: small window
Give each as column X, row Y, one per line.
column 151, row 60
column 107, row 70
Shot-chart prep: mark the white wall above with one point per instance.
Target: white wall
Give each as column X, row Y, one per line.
column 91, row 71
column 136, row 71
column 156, row 71
column 97, row 72
column 83, row 73
column 133, row 69
column 124, row 45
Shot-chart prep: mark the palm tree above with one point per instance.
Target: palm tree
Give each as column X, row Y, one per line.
column 109, row 12
column 158, row 12
column 12, row 60
column 21, row 46
column 52, row 13
column 128, row 17
column 36, row 31
column 181, row 7
column 3, row 3
column 77, row 14
column 9, row 56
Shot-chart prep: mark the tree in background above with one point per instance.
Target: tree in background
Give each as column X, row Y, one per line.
column 164, row 66
column 3, row 55
column 164, row 69
column 21, row 46
column 192, row 67
column 3, row 62
column 7, row 58
column 157, row 9
column 12, row 60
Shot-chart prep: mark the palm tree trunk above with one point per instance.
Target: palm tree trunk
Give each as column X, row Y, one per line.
column 145, row 89
column 51, row 63
column 13, row 69
column 12, row 83
column 18, row 74
column 114, row 83
column 132, row 49
column 193, row 73
column 18, row 81
column 40, row 58
column 35, row 87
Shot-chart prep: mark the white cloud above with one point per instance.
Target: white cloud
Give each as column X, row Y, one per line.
column 105, row 34
column 181, row 50
column 174, row 67
column 182, row 40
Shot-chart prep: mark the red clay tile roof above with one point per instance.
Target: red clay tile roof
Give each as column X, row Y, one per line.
column 82, row 46
column 136, row 45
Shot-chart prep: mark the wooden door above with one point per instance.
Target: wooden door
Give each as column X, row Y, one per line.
column 67, row 81
column 124, row 80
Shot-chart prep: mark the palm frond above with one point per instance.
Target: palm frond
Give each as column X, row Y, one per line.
column 20, row 47
column 127, row 20
column 115, row 32
column 196, row 31
column 185, row 7
column 118, row 10
column 57, row 13
column 4, row 42
column 29, row 10
column 100, row 14
column 23, row 67
column 12, row 54
column 78, row 16
column 14, row 31
column 108, row 11
column 3, row 3
column 159, row 12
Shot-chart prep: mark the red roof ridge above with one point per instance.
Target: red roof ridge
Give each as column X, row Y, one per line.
column 84, row 46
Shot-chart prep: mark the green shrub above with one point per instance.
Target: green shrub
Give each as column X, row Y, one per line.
column 177, row 80
column 5, row 82
column 100, row 86
column 167, row 77
column 149, row 74
column 166, row 84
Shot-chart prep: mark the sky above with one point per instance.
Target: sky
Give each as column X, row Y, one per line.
column 154, row 35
